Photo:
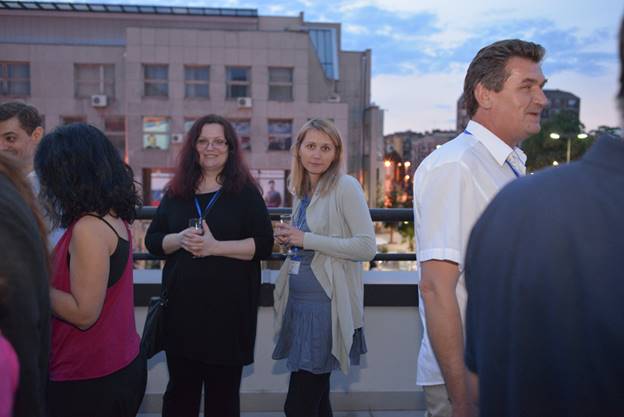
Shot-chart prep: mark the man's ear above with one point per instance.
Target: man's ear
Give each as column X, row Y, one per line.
column 37, row 134
column 483, row 95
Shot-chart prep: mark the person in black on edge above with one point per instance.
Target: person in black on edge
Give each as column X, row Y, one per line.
column 544, row 325
column 25, row 310
column 210, row 321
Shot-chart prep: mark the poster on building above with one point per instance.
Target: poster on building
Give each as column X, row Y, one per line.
column 280, row 135
column 243, row 131
column 273, row 184
column 156, row 133
column 158, row 182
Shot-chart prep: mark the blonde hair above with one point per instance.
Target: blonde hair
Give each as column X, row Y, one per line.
column 299, row 183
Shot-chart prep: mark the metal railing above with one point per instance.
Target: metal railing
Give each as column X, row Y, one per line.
column 377, row 214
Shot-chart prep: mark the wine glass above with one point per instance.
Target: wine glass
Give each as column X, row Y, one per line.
column 286, row 219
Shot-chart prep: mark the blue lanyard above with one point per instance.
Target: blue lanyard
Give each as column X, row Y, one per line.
column 300, row 217
column 208, row 206
column 299, row 221
column 516, row 173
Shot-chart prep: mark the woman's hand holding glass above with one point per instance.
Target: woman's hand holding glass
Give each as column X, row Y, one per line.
column 288, row 235
column 198, row 242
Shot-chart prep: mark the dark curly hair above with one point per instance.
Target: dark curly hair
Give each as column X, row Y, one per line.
column 80, row 172
column 188, row 173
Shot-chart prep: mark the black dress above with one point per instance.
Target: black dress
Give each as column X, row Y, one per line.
column 213, row 304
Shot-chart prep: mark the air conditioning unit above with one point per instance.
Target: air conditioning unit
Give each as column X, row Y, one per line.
column 99, row 100
column 334, row 98
column 244, row 102
column 177, row 138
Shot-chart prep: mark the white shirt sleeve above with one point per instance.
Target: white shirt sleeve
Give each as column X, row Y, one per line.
column 445, row 209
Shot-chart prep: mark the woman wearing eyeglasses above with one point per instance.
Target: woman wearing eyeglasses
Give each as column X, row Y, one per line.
column 212, row 271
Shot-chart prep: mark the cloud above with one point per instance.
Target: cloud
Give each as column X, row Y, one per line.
column 597, row 93
column 418, row 101
column 354, row 29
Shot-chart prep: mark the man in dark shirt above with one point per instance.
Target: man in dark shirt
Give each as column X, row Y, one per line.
column 545, row 282
column 273, row 198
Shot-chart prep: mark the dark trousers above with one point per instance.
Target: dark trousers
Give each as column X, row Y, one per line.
column 116, row 395
column 308, row 395
column 187, row 376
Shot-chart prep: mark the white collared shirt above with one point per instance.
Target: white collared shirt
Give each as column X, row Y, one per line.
column 452, row 187
column 54, row 233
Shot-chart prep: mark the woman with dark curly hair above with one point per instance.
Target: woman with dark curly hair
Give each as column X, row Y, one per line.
column 95, row 365
column 213, row 271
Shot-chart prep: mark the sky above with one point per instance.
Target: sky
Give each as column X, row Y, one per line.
column 421, row 48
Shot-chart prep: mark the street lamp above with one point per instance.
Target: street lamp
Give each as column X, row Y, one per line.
column 555, row 135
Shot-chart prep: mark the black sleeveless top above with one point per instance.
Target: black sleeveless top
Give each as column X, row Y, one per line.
column 118, row 258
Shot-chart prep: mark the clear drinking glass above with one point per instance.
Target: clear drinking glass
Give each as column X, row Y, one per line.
column 286, row 219
column 196, row 223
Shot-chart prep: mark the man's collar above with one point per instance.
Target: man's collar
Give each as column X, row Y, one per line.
column 495, row 145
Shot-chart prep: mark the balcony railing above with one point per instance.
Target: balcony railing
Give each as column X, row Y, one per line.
column 378, row 215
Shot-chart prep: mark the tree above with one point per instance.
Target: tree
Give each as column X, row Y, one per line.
column 541, row 150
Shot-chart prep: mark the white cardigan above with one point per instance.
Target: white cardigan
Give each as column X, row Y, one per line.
column 342, row 235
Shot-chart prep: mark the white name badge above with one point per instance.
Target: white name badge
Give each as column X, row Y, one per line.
column 293, row 267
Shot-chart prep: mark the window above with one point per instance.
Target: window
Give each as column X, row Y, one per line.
column 92, row 79
column 66, row 120
column 243, row 131
column 325, row 41
column 155, row 181
column 14, row 79
column 156, row 132
column 156, row 78
column 238, row 82
column 281, row 84
column 115, row 128
column 196, row 80
column 188, row 124
column 280, row 135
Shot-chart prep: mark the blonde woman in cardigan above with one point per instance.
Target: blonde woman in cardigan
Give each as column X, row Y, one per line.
column 319, row 291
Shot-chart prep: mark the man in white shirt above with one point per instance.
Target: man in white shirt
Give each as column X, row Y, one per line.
column 20, row 132
column 452, row 186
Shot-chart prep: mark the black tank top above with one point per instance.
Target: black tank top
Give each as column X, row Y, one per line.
column 118, row 259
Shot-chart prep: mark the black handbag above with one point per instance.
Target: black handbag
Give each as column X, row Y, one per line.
column 153, row 338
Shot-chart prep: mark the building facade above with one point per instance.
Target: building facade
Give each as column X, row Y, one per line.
column 560, row 101
column 143, row 74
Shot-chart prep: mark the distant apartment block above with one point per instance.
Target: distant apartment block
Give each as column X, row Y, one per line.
column 558, row 101
column 415, row 146
column 144, row 74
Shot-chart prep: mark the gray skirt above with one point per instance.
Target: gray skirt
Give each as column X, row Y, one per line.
column 305, row 339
